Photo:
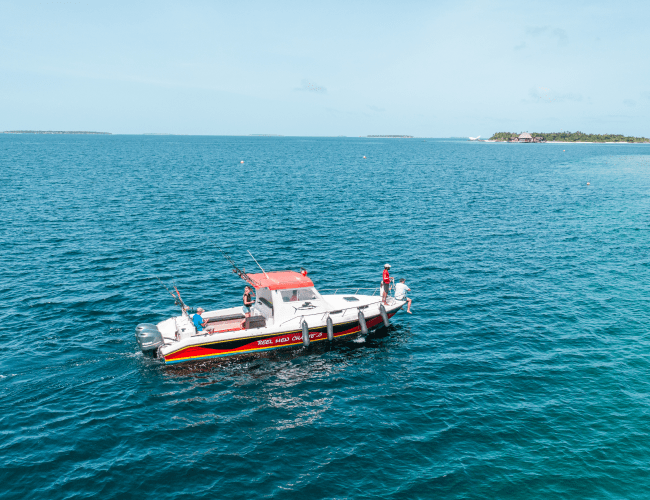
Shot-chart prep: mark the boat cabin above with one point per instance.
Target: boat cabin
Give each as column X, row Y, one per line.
column 279, row 297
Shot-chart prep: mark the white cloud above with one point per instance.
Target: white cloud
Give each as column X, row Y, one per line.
column 558, row 33
column 544, row 95
column 310, row 86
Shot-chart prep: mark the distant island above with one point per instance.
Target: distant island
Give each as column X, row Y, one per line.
column 265, row 135
column 53, row 132
column 391, row 136
column 564, row 137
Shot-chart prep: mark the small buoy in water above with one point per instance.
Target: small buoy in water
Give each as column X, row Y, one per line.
column 364, row 157
column 587, row 184
column 241, row 161
column 562, row 150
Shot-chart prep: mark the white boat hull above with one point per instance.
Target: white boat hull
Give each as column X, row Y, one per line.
column 184, row 344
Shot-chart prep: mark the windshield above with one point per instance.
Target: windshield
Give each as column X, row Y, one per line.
column 299, row 294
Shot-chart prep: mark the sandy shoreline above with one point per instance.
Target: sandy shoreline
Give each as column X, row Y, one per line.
column 563, row 142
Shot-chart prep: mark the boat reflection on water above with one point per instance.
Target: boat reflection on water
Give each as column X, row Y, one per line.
column 278, row 390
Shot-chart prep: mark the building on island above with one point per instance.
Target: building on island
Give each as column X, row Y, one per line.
column 526, row 137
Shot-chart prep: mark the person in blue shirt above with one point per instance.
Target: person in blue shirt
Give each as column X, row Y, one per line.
column 198, row 321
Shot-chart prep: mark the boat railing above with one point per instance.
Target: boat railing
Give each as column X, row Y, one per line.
column 346, row 290
column 341, row 311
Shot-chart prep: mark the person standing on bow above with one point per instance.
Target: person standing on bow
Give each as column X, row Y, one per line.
column 248, row 303
column 198, row 321
column 385, row 283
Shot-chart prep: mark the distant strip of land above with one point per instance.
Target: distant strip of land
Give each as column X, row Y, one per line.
column 391, row 136
column 564, row 137
column 266, row 135
column 53, row 132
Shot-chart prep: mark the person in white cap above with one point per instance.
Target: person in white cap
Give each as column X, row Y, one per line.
column 385, row 283
column 400, row 293
column 198, row 320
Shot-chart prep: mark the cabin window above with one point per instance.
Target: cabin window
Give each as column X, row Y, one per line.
column 299, row 294
column 351, row 299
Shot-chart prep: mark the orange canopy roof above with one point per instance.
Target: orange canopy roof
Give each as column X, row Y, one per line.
column 281, row 280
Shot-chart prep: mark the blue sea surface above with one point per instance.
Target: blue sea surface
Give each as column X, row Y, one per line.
column 522, row 373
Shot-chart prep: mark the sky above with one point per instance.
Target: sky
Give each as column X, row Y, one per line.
column 428, row 69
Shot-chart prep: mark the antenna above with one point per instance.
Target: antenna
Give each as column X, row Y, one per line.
column 258, row 264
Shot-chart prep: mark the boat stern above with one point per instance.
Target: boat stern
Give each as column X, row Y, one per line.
column 149, row 338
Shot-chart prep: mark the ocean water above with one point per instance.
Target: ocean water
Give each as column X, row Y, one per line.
column 522, row 373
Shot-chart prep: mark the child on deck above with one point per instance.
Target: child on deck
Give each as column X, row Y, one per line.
column 400, row 293
column 248, row 302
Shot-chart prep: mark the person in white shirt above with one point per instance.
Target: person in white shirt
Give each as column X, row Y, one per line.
column 400, row 293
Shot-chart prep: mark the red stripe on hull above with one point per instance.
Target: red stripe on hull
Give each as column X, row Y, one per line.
column 278, row 341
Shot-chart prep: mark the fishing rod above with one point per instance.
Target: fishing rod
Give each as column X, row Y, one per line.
column 239, row 272
column 177, row 298
column 183, row 306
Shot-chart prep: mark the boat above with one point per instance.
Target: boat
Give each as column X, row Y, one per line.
column 288, row 312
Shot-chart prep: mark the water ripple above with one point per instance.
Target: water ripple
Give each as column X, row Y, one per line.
column 521, row 374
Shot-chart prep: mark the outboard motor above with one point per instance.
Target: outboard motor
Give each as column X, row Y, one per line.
column 149, row 338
